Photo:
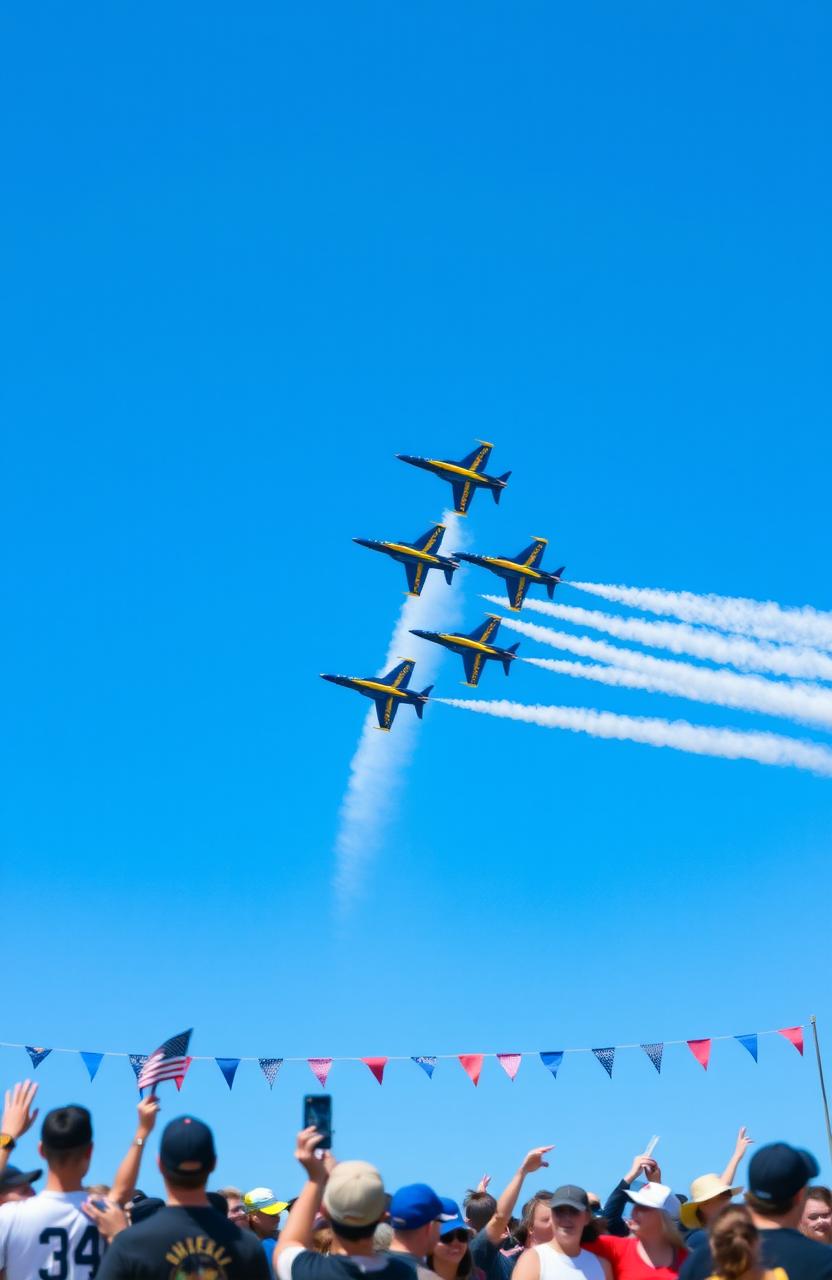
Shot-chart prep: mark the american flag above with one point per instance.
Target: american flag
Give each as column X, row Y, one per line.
column 169, row 1062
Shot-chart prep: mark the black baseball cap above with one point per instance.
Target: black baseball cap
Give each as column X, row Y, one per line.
column 570, row 1197
column 145, row 1208
column 12, row 1177
column 66, row 1128
column 777, row 1172
column 187, row 1146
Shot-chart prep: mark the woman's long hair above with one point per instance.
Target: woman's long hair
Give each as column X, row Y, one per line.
column 734, row 1242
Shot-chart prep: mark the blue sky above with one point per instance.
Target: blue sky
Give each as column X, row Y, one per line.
column 248, row 258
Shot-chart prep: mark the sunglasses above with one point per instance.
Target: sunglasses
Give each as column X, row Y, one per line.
column 459, row 1236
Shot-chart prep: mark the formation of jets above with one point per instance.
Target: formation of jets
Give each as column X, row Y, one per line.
column 476, row 648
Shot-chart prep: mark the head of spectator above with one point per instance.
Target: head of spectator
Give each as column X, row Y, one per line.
column 322, row 1238
column 382, row 1237
column 415, row 1216
column 187, row 1158
column 66, row 1146
column 139, row 1210
column 816, row 1222
column 777, row 1179
column 451, row 1256
column 708, row 1197
column 655, row 1216
column 735, row 1243
column 536, row 1225
column 354, row 1202
column 479, row 1207
column 15, row 1184
column 264, row 1210
column 237, row 1211
column 570, row 1216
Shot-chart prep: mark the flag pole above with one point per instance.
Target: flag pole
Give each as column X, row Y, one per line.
column 814, row 1023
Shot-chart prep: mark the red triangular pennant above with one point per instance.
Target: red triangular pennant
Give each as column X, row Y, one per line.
column 320, row 1069
column 510, row 1062
column 472, row 1065
column 795, row 1036
column 701, row 1050
column 377, row 1066
column 177, row 1080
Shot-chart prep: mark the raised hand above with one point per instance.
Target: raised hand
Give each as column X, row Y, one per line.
column 306, row 1153
column 109, row 1220
column 148, row 1110
column 534, row 1159
column 645, row 1165
column 743, row 1143
column 482, row 1185
column 18, row 1116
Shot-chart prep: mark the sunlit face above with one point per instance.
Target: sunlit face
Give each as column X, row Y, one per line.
column 647, row 1223
column 708, row 1209
column 567, row 1225
column 451, row 1247
column 237, row 1211
column 542, row 1228
column 817, row 1220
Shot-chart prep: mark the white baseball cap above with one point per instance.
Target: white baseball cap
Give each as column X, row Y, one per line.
column 355, row 1195
column 655, row 1195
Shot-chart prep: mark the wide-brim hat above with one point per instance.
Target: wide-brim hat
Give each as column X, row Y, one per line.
column 708, row 1187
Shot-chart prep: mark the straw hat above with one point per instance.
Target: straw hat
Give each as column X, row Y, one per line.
column 708, row 1187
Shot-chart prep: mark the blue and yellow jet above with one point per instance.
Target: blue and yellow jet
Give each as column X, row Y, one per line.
column 519, row 572
column 387, row 692
column 464, row 477
column 475, row 649
column 418, row 557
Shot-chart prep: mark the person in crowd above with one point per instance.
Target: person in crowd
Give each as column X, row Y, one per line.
column 451, row 1256
column 652, row 1248
column 15, row 1184
column 264, row 1209
column 19, row 1114
column 778, row 1176
column 354, row 1201
column 736, row 1247
column 479, row 1206
column 416, row 1215
column 49, row 1234
column 816, row 1222
column 563, row 1256
column 710, row 1193
column 236, row 1208
column 486, row 1245
column 186, row 1236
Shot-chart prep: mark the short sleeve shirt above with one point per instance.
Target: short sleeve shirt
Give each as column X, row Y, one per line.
column 178, row 1241
column 48, row 1236
column 296, row 1263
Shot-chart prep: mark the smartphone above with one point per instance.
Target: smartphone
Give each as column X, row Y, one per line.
column 317, row 1110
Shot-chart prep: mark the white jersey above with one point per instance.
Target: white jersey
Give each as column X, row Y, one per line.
column 559, row 1266
column 47, row 1237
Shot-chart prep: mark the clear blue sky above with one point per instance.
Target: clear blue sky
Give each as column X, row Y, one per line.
column 250, row 255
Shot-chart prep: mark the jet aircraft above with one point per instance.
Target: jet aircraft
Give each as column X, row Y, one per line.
column 418, row 557
column 520, row 572
column 465, row 476
column 387, row 692
column 475, row 648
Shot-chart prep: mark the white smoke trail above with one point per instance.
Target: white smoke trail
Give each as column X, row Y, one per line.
column 680, row 735
column 699, row 642
column 380, row 759
column 807, row 702
column 765, row 619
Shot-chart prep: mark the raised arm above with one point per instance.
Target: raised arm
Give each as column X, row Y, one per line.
column 617, row 1200
column 302, row 1215
column 124, row 1183
column 742, row 1144
column 496, row 1227
column 18, row 1118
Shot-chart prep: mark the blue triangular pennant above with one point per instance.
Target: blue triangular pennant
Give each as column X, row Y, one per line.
column 749, row 1043
column 552, row 1061
column 37, row 1055
column 228, row 1067
column 606, row 1057
column 427, row 1064
column 137, row 1061
column 92, row 1061
column 270, row 1068
column 654, row 1052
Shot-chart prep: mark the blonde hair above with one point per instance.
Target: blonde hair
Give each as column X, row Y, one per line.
column 672, row 1234
column 734, row 1242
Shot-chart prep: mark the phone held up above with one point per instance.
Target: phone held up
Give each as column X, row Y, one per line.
column 317, row 1111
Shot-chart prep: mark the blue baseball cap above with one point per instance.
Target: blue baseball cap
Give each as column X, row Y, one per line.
column 414, row 1206
column 452, row 1219
column 777, row 1172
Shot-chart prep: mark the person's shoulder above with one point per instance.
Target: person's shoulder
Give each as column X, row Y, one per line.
column 697, row 1265
column 794, row 1251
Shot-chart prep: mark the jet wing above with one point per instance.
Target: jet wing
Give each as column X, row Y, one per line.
column 462, row 497
column 400, row 675
column 431, row 540
column 474, row 663
column 486, row 630
column 476, row 460
column 517, row 587
column 386, row 709
column 532, row 554
column 415, row 577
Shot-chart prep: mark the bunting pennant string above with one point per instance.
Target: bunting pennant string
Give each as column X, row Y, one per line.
column 320, row 1069
column 552, row 1060
column 750, row 1043
column 654, row 1053
column 37, row 1055
column 701, row 1050
column 92, row 1061
column 228, row 1067
column 606, row 1057
column 377, row 1066
column 794, row 1035
column 472, row 1065
column 428, row 1065
column 510, row 1062
column 137, row 1061
column 270, row 1068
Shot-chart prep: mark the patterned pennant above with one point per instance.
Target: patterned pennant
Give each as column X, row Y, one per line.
column 228, row 1067
column 92, row 1061
column 428, row 1065
column 137, row 1061
column 377, row 1066
column 320, row 1069
column 749, row 1043
column 552, row 1060
column 701, row 1050
column 270, row 1068
column 510, row 1062
column 472, row 1065
column 654, row 1052
column 606, row 1057
column 794, row 1035
column 37, row 1055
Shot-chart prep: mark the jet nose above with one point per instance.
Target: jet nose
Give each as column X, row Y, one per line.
column 405, row 457
column 331, row 679
column 363, row 542
column 423, row 634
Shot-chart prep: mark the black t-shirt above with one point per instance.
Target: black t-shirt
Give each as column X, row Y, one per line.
column 800, row 1258
column 303, row 1264
column 176, row 1243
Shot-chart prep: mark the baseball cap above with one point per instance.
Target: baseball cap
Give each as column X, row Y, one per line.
column 414, row 1206
column 569, row 1197
column 264, row 1200
column 145, row 1208
column 66, row 1128
column 12, row 1177
column 655, row 1195
column 777, row 1172
column 452, row 1219
column 187, row 1146
column 354, row 1195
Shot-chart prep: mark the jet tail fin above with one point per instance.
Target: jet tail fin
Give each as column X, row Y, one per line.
column 499, row 489
column 554, row 581
column 423, row 697
column 449, row 572
column 507, row 661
